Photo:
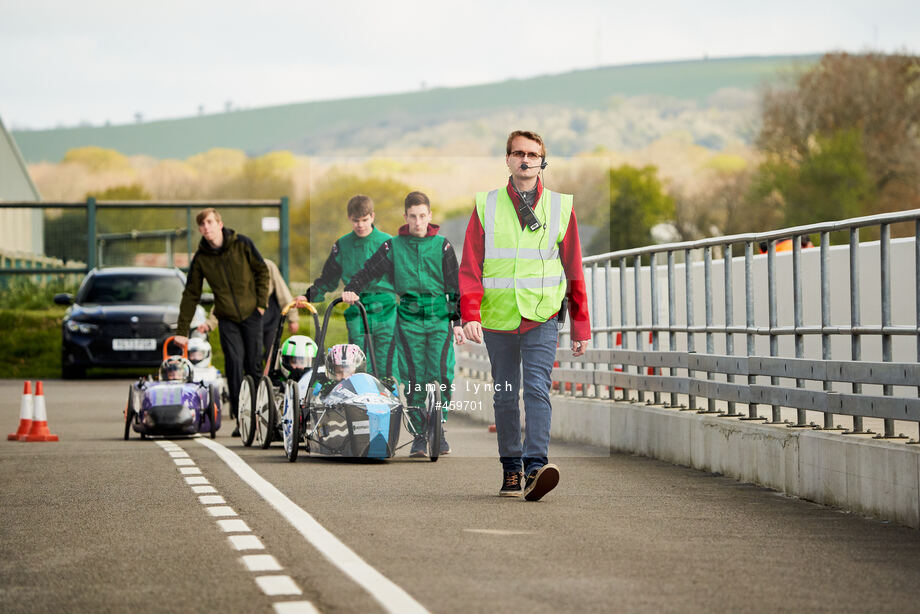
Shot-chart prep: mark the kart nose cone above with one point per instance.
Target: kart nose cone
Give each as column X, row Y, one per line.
column 169, row 416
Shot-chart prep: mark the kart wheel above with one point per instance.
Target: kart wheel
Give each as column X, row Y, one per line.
column 244, row 407
column 129, row 414
column 264, row 415
column 213, row 408
column 291, row 424
column 434, row 432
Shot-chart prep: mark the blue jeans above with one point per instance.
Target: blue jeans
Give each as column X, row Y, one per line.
column 533, row 352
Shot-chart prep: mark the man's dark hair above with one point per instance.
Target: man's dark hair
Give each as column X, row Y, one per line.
column 359, row 206
column 416, row 198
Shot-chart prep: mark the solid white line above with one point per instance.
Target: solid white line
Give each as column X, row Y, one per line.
column 278, row 585
column 221, row 510
column 497, row 532
column 245, row 542
column 200, row 490
column 261, row 562
column 210, row 499
column 233, row 525
column 294, row 607
column 388, row 594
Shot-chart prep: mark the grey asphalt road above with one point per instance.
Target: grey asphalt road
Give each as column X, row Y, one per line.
column 94, row 523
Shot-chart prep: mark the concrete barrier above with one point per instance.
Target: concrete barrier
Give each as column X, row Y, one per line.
column 867, row 476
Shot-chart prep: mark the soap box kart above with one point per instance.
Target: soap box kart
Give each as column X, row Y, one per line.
column 360, row 417
column 260, row 398
column 172, row 407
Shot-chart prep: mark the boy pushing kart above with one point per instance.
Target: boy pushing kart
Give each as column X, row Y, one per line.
column 422, row 267
column 349, row 253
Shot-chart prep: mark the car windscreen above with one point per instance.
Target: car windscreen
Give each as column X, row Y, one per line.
column 145, row 289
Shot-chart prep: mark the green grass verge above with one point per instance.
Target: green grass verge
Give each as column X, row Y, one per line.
column 32, row 343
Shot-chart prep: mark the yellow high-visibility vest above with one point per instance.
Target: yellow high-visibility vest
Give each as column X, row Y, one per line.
column 522, row 275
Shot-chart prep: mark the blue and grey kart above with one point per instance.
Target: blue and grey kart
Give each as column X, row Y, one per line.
column 360, row 417
column 172, row 407
column 260, row 398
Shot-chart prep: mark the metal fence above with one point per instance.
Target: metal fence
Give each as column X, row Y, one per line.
column 162, row 231
column 831, row 329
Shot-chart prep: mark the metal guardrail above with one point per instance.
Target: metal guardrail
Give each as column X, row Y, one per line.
column 697, row 371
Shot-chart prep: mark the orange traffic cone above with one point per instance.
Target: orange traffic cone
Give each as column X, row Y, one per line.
column 39, row 431
column 25, row 414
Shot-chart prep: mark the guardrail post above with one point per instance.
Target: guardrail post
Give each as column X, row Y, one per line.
column 707, row 302
column 637, row 276
column 749, row 318
column 885, row 257
column 826, row 316
column 653, row 286
column 611, row 336
column 691, row 345
column 672, row 322
column 624, row 338
column 771, row 302
column 600, row 315
column 729, row 317
column 800, row 417
column 855, row 317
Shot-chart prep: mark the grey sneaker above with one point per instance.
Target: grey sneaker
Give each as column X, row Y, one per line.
column 419, row 448
column 511, row 484
column 540, row 482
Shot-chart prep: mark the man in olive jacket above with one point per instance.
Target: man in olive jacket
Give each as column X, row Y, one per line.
column 238, row 278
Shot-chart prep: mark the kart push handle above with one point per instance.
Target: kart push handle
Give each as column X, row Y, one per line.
column 166, row 347
column 276, row 341
column 300, row 305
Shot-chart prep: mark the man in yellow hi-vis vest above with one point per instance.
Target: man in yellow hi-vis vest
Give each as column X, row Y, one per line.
column 521, row 258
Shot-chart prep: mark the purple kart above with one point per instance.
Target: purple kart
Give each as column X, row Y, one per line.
column 172, row 404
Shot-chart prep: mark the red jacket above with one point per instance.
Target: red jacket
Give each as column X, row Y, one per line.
column 569, row 253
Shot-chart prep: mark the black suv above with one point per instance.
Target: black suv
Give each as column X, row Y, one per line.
column 120, row 318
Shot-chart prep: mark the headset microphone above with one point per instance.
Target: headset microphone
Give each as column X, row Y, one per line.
column 525, row 166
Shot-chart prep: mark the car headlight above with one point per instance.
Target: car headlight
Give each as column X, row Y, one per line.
column 84, row 328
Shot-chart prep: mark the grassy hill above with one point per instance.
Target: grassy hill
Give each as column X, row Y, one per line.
column 363, row 125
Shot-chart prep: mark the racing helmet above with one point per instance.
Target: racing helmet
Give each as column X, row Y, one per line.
column 176, row 369
column 199, row 352
column 344, row 360
column 297, row 353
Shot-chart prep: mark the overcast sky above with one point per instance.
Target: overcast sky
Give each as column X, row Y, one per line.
column 66, row 62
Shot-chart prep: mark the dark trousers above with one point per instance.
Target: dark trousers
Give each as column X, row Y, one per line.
column 270, row 320
column 242, row 346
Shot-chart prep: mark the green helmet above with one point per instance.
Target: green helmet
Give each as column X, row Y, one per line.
column 297, row 353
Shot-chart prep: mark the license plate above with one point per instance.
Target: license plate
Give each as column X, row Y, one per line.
column 134, row 344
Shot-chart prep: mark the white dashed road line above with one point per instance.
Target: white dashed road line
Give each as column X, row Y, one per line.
column 392, row 597
column 276, row 585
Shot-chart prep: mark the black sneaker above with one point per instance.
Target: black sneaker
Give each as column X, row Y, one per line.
column 511, row 485
column 236, row 432
column 540, row 482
